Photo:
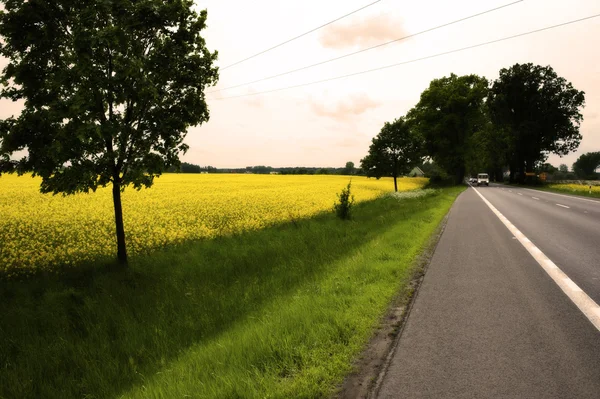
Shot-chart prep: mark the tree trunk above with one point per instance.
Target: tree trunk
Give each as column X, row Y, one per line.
column 395, row 183
column 460, row 175
column 512, row 169
column 529, row 166
column 521, row 172
column 121, row 248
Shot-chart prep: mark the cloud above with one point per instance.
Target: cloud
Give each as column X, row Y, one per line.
column 255, row 101
column 312, row 148
column 346, row 109
column 348, row 142
column 370, row 31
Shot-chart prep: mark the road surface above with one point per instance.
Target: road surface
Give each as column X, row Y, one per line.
column 565, row 228
column 489, row 321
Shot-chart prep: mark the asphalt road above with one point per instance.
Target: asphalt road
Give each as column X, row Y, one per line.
column 565, row 228
column 488, row 321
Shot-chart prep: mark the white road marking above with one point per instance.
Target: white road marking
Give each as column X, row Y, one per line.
column 564, row 206
column 588, row 307
column 535, row 198
column 550, row 264
column 510, row 191
column 563, row 195
column 535, row 250
column 519, row 193
column 572, row 285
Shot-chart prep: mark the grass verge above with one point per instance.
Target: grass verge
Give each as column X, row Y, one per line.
column 280, row 312
column 571, row 189
column 574, row 189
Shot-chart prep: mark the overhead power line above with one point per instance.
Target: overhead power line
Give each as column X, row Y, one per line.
column 416, row 59
column 366, row 49
column 299, row 36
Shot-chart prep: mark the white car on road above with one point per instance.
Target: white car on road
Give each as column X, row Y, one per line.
column 483, row 178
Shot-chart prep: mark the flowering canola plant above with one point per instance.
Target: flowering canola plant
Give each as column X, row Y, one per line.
column 577, row 188
column 40, row 231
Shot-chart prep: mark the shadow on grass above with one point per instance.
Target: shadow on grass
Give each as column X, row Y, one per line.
column 97, row 333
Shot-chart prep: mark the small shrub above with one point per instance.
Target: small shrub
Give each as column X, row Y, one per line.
column 343, row 207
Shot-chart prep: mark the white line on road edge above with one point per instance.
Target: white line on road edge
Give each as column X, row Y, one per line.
column 563, row 195
column 564, row 206
column 586, row 304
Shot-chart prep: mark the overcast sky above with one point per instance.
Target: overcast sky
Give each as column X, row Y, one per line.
column 331, row 123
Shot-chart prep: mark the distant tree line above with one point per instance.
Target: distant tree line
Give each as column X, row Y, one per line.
column 190, row 168
column 349, row 169
column 585, row 168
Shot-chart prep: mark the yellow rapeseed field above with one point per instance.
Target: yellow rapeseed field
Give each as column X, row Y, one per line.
column 41, row 231
column 577, row 188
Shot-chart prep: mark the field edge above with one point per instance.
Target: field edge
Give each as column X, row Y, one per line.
column 370, row 366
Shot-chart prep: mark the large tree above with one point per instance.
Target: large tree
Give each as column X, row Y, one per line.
column 539, row 111
column 110, row 89
column 586, row 165
column 348, row 169
column 447, row 115
column 394, row 151
column 486, row 150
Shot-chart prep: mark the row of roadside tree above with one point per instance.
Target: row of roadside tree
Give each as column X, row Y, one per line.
column 467, row 124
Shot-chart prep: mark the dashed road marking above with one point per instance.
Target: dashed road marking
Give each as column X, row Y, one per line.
column 564, row 206
column 586, row 305
column 519, row 193
column 535, row 198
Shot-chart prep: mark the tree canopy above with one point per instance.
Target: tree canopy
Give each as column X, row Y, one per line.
column 394, row 151
column 110, row 89
column 586, row 165
column 546, row 167
column 349, row 168
column 448, row 113
column 538, row 111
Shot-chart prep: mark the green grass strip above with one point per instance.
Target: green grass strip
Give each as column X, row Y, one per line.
column 276, row 313
column 582, row 190
column 574, row 189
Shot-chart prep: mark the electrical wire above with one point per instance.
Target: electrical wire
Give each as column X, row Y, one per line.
column 414, row 60
column 366, row 49
column 299, row 36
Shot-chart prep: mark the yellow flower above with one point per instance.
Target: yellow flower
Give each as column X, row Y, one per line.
column 41, row 231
